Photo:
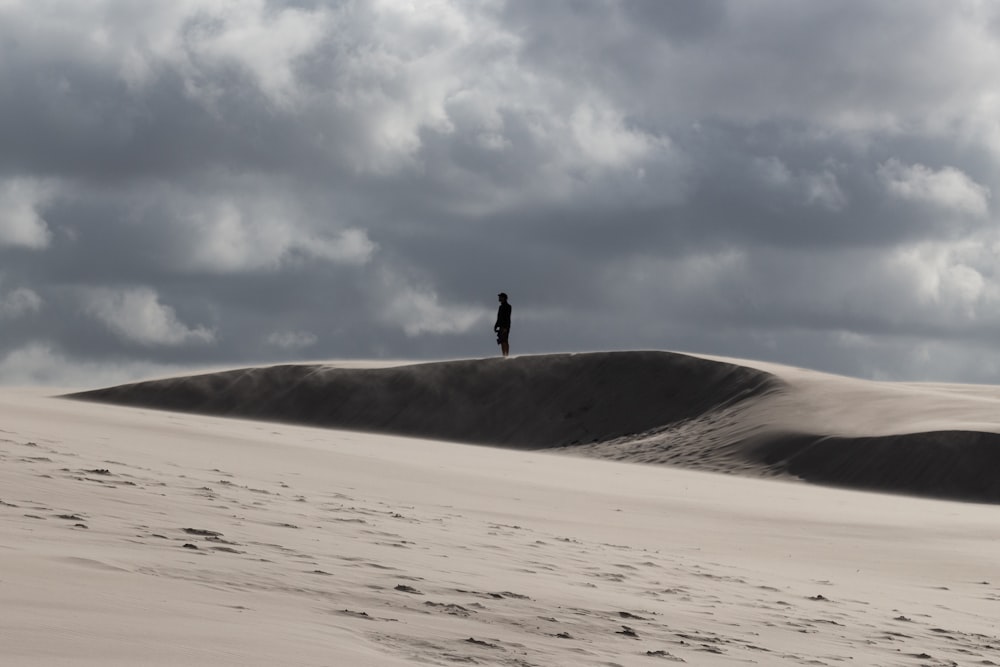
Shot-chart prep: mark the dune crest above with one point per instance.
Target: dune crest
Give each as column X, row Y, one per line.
column 643, row 407
column 525, row 402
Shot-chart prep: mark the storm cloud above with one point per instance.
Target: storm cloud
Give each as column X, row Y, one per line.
column 209, row 182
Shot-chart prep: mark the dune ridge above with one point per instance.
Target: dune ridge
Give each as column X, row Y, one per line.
column 525, row 402
column 643, row 407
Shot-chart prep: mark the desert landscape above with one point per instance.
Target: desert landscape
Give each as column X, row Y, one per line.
column 515, row 333
column 633, row 508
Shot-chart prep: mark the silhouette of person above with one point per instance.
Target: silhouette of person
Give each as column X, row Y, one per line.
column 502, row 327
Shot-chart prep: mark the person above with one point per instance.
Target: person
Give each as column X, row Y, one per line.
column 502, row 327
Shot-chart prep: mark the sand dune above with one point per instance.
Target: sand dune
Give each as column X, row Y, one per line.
column 147, row 537
column 528, row 402
column 651, row 407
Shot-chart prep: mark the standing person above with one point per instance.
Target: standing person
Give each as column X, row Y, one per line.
column 502, row 327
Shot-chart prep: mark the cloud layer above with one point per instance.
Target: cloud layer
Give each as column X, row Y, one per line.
column 208, row 182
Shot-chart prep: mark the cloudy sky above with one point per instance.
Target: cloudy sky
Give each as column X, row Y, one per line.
column 193, row 183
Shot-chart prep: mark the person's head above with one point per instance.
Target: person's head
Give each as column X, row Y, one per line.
column 502, row 296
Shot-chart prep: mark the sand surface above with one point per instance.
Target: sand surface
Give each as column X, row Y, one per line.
column 719, row 415
column 141, row 537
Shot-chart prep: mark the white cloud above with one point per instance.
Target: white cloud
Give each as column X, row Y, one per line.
column 947, row 188
column 951, row 283
column 822, row 188
column 229, row 236
column 21, row 223
column 816, row 188
column 137, row 315
column 347, row 246
column 197, row 39
column 395, row 71
column 292, row 340
column 19, row 302
column 263, row 40
column 417, row 309
column 602, row 138
column 39, row 364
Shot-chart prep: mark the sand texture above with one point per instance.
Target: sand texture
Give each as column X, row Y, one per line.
column 144, row 537
column 136, row 535
column 651, row 407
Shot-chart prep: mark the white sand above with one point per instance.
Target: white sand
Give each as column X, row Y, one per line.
column 539, row 559
column 821, row 402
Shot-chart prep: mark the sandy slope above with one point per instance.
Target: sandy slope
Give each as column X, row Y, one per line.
column 652, row 407
column 322, row 547
column 526, row 402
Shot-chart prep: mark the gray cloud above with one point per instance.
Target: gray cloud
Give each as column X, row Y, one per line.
column 195, row 183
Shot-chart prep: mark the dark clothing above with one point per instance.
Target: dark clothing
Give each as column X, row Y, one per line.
column 503, row 317
column 502, row 327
